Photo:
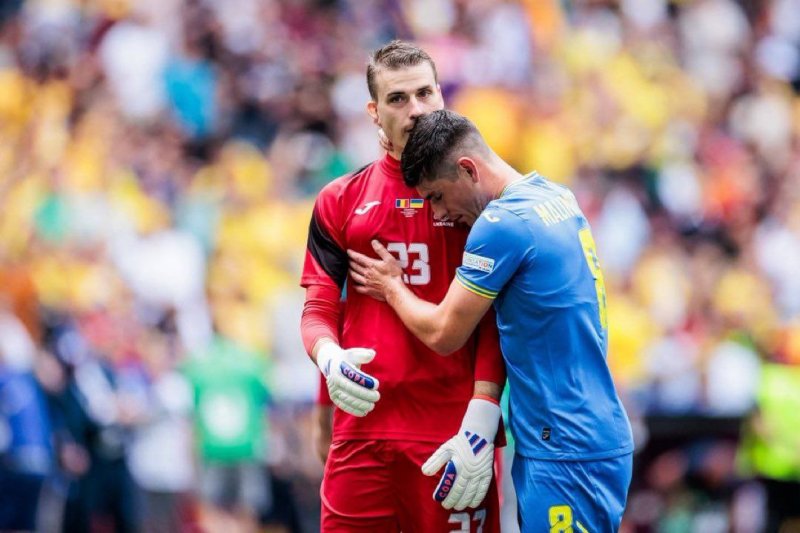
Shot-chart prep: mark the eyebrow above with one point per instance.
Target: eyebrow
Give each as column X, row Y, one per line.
column 403, row 93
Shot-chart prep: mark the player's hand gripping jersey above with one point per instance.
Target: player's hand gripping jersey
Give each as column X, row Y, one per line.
column 423, row 396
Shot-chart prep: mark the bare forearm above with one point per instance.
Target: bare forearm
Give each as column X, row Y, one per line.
column 422, row 318
column 444, row 328
column 428, row 323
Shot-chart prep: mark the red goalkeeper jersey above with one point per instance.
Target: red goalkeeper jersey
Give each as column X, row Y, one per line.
column 423, row 395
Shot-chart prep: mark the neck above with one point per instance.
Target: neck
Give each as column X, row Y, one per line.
column 506, row 175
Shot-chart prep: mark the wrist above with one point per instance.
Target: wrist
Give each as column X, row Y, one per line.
column 393, row 290
column 324, row 355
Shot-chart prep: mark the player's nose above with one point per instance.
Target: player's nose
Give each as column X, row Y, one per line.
column 417, row 108
column 439, row 213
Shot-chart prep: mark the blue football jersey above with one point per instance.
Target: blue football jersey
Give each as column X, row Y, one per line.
column 533, row 252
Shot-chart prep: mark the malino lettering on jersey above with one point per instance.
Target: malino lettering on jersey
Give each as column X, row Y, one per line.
column 558, row 209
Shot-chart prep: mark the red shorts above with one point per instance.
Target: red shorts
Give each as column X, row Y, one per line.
column 377, row 486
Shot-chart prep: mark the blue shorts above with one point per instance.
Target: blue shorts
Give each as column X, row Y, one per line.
column 571, row 496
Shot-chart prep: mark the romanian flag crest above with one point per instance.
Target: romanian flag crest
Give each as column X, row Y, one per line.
column 413, row 203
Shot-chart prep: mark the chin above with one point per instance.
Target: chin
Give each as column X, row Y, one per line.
column 468, row 222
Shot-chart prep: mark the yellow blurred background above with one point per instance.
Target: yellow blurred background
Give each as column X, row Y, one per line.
column 158, row 165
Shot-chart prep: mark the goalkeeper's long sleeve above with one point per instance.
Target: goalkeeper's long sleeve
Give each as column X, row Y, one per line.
column 489, row 364
column 321, row 313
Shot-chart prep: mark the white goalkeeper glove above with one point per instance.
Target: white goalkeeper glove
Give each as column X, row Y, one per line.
column 468, row 456
column 350, row 389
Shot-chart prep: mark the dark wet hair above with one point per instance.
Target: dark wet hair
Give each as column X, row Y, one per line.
column 436, row 141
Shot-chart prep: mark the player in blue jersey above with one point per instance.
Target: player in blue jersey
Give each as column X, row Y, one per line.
column 530, row 252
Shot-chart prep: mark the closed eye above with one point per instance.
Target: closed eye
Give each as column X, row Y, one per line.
column 435, row 198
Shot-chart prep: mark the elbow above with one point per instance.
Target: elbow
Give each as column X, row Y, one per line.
column 444, row 344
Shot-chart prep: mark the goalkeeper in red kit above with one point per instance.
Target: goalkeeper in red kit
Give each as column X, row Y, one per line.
column 413, row 433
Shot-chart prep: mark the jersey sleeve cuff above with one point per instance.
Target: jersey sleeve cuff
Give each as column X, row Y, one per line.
column 486, row 397
column 477, row 289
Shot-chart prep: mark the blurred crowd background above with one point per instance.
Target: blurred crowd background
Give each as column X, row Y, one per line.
column 158, row 164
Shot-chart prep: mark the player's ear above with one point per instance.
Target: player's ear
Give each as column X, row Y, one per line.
column 372, row 111
column 468, row 168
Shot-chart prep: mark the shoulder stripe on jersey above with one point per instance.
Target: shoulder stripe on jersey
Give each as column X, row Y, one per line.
column 324, row 249
column 477, row 289
column 359, row 171
column 328, row 254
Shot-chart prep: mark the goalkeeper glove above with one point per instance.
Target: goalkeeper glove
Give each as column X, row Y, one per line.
column 468, row 456
column 352, row 390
